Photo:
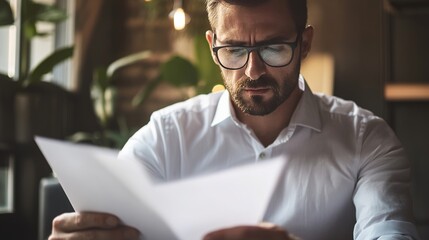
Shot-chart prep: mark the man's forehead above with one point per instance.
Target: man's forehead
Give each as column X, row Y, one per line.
column 277, row 9
column 226, row 39
column 267, row 21
column 250, row 3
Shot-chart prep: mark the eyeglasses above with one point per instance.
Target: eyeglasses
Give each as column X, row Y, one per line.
column 274, row 55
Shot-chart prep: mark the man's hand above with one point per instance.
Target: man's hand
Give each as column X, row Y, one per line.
column 262, row 232
column 82, row 226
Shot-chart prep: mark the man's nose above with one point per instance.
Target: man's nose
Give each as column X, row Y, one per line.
column 255, row 66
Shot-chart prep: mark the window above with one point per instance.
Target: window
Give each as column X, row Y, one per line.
column 64, row 36
column 61, row 35
column 8, row 48
column 6, row 181
column 8, row 39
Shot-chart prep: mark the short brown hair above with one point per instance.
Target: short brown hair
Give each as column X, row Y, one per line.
column 298, row 10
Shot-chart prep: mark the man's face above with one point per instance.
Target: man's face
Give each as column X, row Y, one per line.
column 257, row 88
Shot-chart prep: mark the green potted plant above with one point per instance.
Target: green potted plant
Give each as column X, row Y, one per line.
column 176, row 71
column 7, row 86
column 194, row 32
column 27, row 99
column 30, row 106
column 6, row 15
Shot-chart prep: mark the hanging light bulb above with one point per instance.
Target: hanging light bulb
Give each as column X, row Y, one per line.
column 180, row 18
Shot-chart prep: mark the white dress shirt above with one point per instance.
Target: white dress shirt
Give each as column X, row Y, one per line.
column 346, row 175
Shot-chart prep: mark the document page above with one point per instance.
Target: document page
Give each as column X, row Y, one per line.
column 95, row 180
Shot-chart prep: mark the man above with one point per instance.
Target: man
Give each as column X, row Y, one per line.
column 346, row 175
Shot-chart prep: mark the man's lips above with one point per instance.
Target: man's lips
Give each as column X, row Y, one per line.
column 259, row 90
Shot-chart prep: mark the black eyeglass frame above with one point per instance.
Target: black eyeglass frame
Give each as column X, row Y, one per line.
column 250, row 49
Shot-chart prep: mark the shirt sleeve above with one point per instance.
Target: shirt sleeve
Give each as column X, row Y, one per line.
column 382, row 194
column 148, row 146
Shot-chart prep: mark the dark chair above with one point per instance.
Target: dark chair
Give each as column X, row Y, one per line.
column 53, row 202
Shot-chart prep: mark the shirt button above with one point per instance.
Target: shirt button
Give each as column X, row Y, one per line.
column 262, row 155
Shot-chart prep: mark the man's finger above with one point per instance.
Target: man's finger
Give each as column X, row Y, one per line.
column 69, row 222
column 119, row 233
column 267, row 225
column 248, row 233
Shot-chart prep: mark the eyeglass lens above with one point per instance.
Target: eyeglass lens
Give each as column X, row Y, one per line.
column 274, row 55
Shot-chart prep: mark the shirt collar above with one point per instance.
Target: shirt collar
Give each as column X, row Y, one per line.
column 224, row 109
column 306, row 113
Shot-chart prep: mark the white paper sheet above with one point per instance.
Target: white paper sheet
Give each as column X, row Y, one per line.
column 95, row 180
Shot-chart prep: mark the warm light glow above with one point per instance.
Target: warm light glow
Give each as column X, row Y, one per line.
column 12, row 51
column 179, row 19
column 12, row 44
column 218, row 88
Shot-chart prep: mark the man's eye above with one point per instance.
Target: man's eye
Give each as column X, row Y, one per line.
column 235, row 51
column 274, row 48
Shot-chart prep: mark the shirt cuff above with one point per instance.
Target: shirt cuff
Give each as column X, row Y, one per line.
column 392, row 230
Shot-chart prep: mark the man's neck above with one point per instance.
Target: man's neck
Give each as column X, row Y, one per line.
column 268, row 127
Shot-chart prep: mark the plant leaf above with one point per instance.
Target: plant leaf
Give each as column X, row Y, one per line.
column 30, row 29
column 49, row 63
column 47, row 13
column 144, row 93
column 100, row 80
column 52, row 15
column 210, row 72
column 103, row 96
column 118, row 139
column 179, row 71
column 127, row 60
column 83, row 137
column 43, row 34
column 6, row 15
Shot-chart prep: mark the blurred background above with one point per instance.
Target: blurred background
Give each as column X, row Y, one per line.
column 94, row 71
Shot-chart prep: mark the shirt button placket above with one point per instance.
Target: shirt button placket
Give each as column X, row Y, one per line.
column 262, row 156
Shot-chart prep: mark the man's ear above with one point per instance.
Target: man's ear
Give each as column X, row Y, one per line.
column 209, row 38
column 307, row 38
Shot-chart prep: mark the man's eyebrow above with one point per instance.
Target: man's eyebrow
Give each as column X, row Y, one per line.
column 274, row 40
column 231, row 42
column 264, row 42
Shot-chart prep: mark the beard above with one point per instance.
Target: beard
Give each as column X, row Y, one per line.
column 259, row 105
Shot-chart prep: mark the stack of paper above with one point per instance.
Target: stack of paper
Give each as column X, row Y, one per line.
column 95, row 180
